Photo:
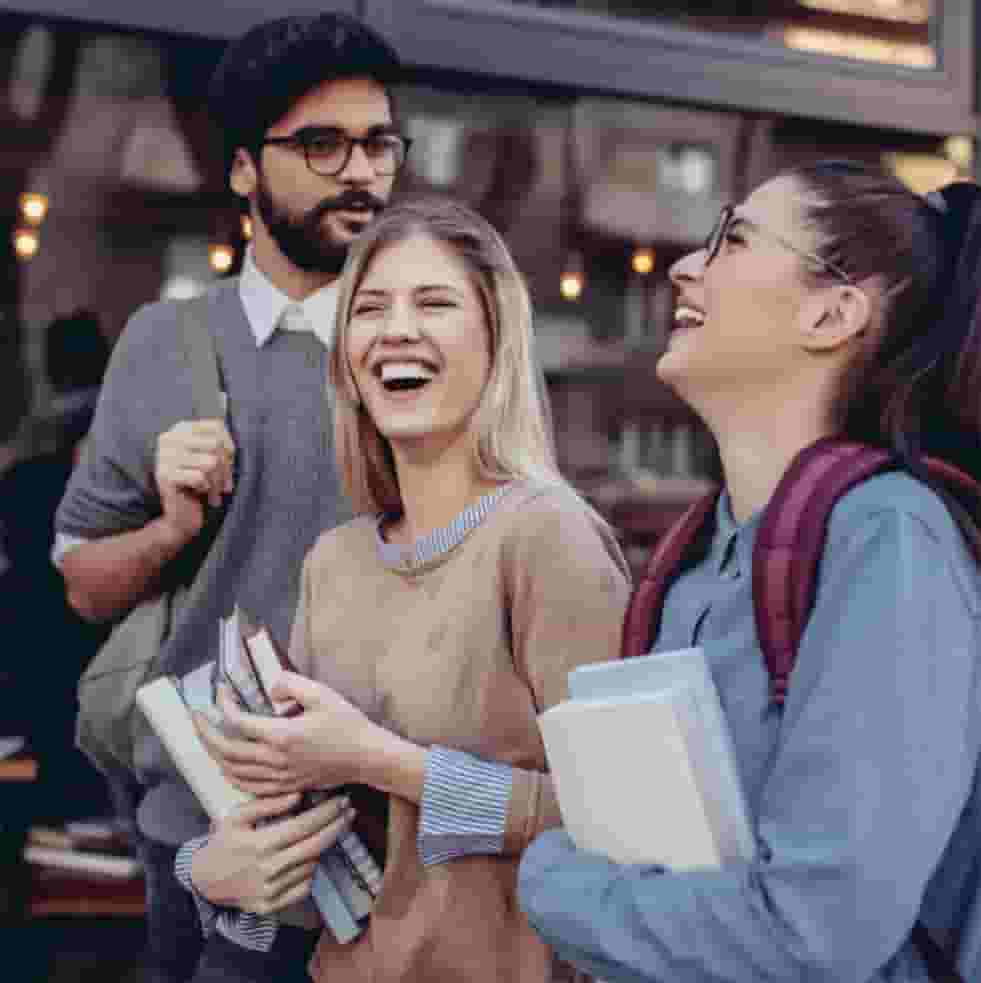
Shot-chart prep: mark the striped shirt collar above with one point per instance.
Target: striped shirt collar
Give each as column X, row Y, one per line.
column 265, row 304
column 439, row 541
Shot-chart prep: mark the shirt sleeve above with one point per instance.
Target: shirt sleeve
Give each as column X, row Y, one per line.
column 464, row 806
column 249, row 931
column 207, row 912
column 872, row 769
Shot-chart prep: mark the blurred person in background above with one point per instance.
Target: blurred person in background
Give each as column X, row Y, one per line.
column 312, row 148
column 47, row 644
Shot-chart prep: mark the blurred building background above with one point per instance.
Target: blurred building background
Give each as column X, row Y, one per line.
column 600, row 136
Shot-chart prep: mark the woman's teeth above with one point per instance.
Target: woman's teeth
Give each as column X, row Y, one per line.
column 405, row 375
column 688, row 317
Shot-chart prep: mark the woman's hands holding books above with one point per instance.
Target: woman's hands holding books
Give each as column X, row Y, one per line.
column 330, row 743
column 257, row 861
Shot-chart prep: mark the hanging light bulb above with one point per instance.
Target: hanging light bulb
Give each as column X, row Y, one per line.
column 221, row 257
column 26, row 243
column 33, row 207
column 642, row 261
column 572, row 280
column 246, row 228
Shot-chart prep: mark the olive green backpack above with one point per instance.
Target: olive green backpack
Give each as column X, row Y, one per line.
column 110, row 725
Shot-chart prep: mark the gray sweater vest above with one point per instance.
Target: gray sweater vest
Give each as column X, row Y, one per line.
column 286, row 492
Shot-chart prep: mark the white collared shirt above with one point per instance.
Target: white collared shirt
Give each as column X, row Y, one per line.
column 265, row 305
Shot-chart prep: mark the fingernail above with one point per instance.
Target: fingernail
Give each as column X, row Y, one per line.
column 345, row 802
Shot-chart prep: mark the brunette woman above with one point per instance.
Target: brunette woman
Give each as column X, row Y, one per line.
column 831, row 302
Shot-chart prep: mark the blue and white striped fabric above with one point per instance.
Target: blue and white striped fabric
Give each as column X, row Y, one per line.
column 439, row 541
column 256, row 932
column 464, row 806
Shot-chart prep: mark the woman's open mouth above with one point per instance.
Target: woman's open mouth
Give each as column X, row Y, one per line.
column 405, row 375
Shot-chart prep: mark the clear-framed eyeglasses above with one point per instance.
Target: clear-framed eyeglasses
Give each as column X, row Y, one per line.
column 728, row 217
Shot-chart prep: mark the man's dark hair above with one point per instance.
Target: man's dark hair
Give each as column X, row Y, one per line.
column 274, row 64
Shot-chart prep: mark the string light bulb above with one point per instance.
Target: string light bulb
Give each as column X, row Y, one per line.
column 246, row 228
column 33, row 207
column 221, row 257
column 642, row 261
column 26, row 243
column 572, row 281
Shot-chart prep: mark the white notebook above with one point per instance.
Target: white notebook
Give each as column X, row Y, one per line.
column 643, row 765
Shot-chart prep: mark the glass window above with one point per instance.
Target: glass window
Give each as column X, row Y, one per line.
column 895, row 32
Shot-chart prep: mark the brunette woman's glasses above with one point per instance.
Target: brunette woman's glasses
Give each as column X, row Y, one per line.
column 729, row 220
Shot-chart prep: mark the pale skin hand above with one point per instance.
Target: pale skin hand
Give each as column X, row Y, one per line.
column 263, row 868
column 330, row 743
column 194, row 464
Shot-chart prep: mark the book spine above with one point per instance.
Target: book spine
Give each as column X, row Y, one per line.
column 88, row 863
column 330, row 900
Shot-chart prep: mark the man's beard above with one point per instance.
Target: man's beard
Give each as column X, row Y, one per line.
column 305, row 240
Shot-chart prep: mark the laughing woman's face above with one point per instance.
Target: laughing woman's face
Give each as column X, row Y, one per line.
column 418, row 343
column 735, row 311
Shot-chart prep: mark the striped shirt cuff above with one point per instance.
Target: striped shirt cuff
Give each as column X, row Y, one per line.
column 254, row 932
column 207, row 912
column 464, row 806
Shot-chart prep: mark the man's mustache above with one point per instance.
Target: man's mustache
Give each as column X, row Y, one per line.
column 347, row 201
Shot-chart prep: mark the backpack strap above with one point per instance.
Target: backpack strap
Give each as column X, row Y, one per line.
column 790, row 541
column 643, row 617
column 201, row 360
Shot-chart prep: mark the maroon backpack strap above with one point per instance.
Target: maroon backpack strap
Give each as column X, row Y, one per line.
column 790, row 541
column 643, row 616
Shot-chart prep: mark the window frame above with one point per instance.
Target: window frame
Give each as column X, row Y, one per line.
column 607, row 55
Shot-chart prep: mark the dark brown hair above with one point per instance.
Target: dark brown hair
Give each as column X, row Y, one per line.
column 915, row 385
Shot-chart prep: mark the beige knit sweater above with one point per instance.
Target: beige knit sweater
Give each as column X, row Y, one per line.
column 463, row 651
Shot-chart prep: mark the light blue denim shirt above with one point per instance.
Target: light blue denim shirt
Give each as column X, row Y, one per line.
column 863, row 790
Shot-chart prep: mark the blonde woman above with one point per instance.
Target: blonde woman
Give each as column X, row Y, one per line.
column 439, row 623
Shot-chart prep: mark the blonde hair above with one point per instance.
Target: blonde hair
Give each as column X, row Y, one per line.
column 510, row 426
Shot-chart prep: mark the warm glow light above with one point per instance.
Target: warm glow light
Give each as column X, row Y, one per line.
column 902, row 11
column 221, row 258
column 860, row 47
column 571, row 285
column 246, row 227
column 34, row 207
column 961, row 151
column 921, row 172
column 643, row 261
column 26, row 243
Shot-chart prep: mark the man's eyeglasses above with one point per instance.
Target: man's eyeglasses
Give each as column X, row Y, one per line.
column 328, row 151
column 728, row 217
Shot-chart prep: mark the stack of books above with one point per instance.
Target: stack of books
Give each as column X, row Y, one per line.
column 96, row 848
column 643, row 764
column 348, row 877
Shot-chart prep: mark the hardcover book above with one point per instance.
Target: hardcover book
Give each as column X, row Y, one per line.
column 674, row 798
